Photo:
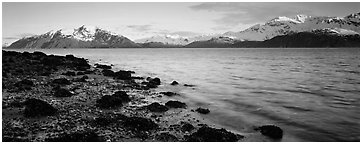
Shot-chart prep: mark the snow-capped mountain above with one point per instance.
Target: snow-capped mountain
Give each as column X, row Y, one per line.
column 301, row 23
column 82, row 37
column 165, row 39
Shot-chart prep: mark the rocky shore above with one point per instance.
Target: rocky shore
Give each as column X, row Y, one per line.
column 64, row 98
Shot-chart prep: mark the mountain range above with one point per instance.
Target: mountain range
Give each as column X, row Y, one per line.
column 297, row 31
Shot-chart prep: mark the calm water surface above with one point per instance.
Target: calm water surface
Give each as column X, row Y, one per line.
column 313, row 94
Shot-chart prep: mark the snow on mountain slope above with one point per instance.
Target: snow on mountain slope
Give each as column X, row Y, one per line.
column 165, row 39
column 300, row 23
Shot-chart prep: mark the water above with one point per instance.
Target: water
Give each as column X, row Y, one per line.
column 312, row 94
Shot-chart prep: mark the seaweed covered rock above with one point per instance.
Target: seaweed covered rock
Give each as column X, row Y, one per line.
column 123, row 75
column 156, row 107
column 24, row 84
column 108, row 72
column 208, row 134
column 174, row 83
column 61, row 81
column 61, row 92
column 139, row 124
column 203, row 110
column 175, row 104
column 271, row 131
column 36, row 107
column 122, row 95
column 108, row 101
column 166, row 137
column 82, row 136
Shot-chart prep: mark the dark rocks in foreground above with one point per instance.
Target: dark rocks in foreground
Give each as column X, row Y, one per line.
column 24, row 84
column 103, row 66
column 139, row 124
column 61, row 81
column 208, row 134
column 36, row 107
column 271, row 131
column 185, row 126
column 203, row 110
column 82, row 136
column 115, row 100
column 166, row 137
column 61, row 92
column 156, row 107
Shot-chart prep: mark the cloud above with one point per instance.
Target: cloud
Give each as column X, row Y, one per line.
column 10, row 38
column 185, row 33
column 140, row 27
column 250, row 13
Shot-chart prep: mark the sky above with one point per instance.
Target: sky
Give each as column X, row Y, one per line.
column 145, row 19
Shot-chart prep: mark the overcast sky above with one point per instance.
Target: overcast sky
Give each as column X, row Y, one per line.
column 138, row 20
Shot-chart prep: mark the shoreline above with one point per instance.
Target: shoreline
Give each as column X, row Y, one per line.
column 94, row 103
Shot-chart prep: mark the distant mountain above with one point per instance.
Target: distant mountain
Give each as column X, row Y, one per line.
column 214, row 42
column 300, row 23
column 82, row 37
column 165, row 39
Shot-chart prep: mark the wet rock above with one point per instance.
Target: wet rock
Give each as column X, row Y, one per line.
column 69, row 57
column 123, row 75
column 185, row 126
column 69, row 73
column 24, row 84
column 108, row 72
column 139, row 124
column 175, row 104
column 82, row 136
column 271, row 131
column 36, row 107
column 188, row 85
column 61, row 92
column 156, row 107
column 168, row 93
column 203, row 110
column 174, row 83
column 62, row 81
column 136, row 77
column 80, row 73
column 208, row 134
column 122, row 95
column 108, row 101
column 154, row 81
column 166, row 137
column 103, row 66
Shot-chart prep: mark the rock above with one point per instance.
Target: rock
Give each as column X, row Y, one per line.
column 271, row 131
column 208, row 134
column 166, row 137
column 203, row 110
column 82, row 136
column 82, row 79
column 69, row 73
column 185, row 126
column 103, row 66
column 61, row 92
column 188, row 85
column 156, row 107
column 168, row 93
column 80, row 73
column 155, row 81
column 139, row 124
column 69, row 57
column 36, row 107
column 102, row 121
column 24, row 84
column 108, row 72
column 62, row 81
column 52, row 61
column 122, row 96
column 174, row 83
column 175, row 104
column 108, row 101
column 89, row 72
column 123, row 75
column 136, row 77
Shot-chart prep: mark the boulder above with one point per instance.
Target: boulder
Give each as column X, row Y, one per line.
column 139, row 124
column 80, row 73
column 175, row 104
column 203, row 110
column 185, row 126
column 156, row 107
column 123, row 75
column 208, row 134
column 271, row 131
column 108, row 101
column 82, row 79
column 122, row 95
column 36, row 107
column 174, row 83
column 61, row 92
column 61, row 81
column 155, row 81
column 108, row 72
column 24, row 84
column 103, row 66
column 188, row 85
